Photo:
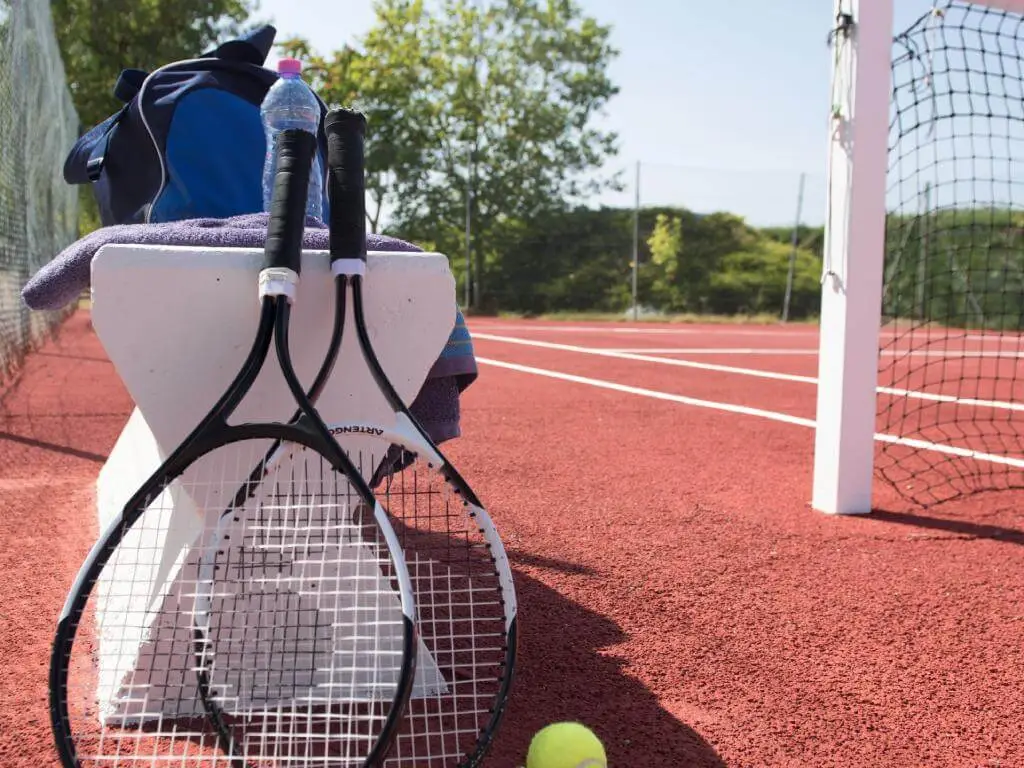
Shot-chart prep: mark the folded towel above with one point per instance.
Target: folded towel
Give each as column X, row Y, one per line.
column 67, row 275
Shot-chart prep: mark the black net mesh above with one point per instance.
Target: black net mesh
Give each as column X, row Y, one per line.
column 951, row 398
column 38, row 210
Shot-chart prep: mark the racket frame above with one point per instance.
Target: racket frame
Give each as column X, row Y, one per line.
column 349, row 254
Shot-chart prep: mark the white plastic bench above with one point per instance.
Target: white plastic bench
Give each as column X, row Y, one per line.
column 177, row 323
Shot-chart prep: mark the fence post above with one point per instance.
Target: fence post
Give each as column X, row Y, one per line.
column 636, row 239
column 792, row 253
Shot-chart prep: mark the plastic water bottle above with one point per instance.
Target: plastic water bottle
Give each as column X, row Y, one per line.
column 291, row 104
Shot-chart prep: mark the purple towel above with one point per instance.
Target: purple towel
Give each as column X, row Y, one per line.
column 67, row 275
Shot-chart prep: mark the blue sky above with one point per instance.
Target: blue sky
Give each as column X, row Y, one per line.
column 723, row 102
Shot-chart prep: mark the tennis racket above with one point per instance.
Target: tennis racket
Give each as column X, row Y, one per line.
column 254, row 619
column 460, row 573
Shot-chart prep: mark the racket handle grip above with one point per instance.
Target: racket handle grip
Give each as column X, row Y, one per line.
column 283, row 250
column 346, row 189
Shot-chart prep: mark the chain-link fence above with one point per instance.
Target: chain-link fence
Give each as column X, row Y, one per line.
column 38, row 210
column 727, row 241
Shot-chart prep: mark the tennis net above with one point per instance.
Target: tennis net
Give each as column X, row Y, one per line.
column 952, row 347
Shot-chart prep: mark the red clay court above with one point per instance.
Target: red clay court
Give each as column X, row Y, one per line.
column 676, row 592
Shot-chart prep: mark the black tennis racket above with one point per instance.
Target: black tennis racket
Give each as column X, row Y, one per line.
column 240, row 616
column 461, row 578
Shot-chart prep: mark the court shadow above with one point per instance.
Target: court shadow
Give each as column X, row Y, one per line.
column 950, row 525
column 567, row 670
column 526, row 558
column 97, row 458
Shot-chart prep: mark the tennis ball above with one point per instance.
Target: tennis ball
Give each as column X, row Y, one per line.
column 566, row 745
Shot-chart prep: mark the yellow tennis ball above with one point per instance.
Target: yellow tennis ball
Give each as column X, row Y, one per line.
column 566, row 745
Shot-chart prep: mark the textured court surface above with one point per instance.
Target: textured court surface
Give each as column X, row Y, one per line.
column 676, row 592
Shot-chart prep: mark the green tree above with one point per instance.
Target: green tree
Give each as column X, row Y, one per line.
column 666, row 245
column 961, row 267
column 99, row 38
column 754, row 280
column 566, row 260
column 397, row 134
column 488, row 104
column 708, row 238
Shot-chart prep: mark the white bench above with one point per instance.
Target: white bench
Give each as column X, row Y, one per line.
column 177, row 323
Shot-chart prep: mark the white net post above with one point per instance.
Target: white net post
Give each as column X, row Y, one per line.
column 38, row 210
column 855, row 245
column 854, row 256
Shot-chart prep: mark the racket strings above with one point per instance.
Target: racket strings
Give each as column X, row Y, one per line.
column 461, row 664
column 294, row 599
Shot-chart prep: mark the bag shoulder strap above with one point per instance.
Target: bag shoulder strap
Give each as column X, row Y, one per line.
column 128, row 84
column 94, row 165
column 252, row 48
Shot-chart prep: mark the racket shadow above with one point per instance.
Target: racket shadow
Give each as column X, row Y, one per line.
column 272, row 713
column 436, row 697
column 310, row 738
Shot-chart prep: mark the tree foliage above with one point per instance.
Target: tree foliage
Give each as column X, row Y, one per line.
column 666, row 244
column 689, row 262
column 956, row 267
column 579, row 260
column 489, row 106
column 564, row 260
column 99, row 38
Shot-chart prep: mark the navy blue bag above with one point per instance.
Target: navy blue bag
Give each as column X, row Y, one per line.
column 188, row 142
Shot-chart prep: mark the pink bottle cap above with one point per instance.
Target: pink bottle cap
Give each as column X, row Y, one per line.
column 289, row 66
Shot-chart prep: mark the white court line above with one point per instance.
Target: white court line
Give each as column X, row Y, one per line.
column 771, row 415
column 908, row 393
column 950, row 450
column 647, row 358
column 954, row 354
column 683, row 330
column 708, row 351
column 726, row 330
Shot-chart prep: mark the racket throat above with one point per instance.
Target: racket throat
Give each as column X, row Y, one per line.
column 379, row 377
column 306, row 424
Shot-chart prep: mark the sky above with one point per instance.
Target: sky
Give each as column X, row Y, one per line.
column 724, row 103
